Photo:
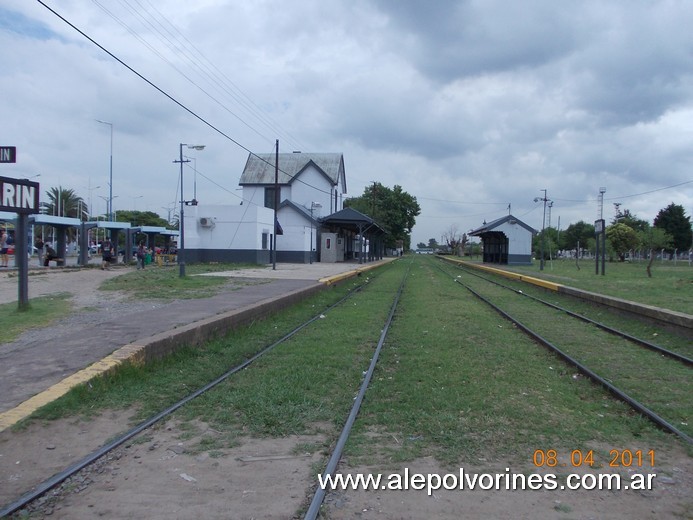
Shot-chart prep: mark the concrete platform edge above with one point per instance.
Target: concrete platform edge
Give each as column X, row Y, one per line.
column 159, row 345
column 667, row 316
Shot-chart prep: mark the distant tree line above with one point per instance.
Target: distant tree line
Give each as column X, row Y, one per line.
column 671, row 230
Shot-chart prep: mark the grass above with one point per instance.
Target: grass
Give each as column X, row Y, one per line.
column 41, row 312
column 458, row 383
column 454, row 381
column 633, row 369
column 153, row 283
column 166, row 284
column 670, row 287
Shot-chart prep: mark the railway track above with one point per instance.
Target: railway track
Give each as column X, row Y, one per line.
column 58, row 478
column 578, row 344
column 388, row 296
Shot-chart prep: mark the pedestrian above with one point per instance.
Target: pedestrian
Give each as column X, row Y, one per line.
column 141, row 254
column 106, row 254
column 49, row 255
column 4, row 258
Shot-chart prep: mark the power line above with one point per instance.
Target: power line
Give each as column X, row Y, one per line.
column 590, row 201
column 169, row 96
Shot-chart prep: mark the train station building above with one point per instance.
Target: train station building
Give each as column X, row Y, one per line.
column 506, row 240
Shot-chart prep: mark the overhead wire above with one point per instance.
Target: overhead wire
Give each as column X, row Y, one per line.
column 210, row 71
column 176, row 50
column 228, row 85
column 173, row 99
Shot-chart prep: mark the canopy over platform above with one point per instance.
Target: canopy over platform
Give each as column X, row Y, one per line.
column 355, row 222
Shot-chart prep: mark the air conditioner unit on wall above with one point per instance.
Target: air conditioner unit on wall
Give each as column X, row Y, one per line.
column 206, row 222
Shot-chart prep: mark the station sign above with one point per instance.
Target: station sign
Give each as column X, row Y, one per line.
column 8, row 154
column 599, row 226
column 19, row 195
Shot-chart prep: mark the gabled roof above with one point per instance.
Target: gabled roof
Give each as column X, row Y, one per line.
column 499, row 222
column 349, row 218
column 302, row 210
column 259, row 168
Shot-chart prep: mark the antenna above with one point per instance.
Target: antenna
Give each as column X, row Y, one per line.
column 602, row 191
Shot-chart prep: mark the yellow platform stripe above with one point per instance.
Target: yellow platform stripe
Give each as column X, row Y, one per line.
column 132, row 353
column 509, row 274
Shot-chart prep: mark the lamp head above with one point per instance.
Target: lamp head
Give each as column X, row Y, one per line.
column 196, row 146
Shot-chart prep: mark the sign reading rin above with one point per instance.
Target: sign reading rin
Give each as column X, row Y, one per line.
column 8, row 154
column 19, row 196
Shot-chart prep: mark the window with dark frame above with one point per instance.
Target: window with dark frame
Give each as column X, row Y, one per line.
column 269, row 197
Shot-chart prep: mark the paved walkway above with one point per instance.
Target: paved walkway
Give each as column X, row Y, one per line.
column 37, row 367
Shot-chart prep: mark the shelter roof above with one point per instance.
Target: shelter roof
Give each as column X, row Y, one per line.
column 53, row 220
column 259, row 168
column 107, row 224
column 493, row 225
column 349, row 218
column 149, row 229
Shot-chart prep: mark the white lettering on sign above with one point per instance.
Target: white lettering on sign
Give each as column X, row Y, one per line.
column 5, row 155
column 18, row 196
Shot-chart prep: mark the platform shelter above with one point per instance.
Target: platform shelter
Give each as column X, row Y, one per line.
column 115, row 228
column 348, row 235
column 506, row 240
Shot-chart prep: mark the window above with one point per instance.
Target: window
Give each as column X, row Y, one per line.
column 264, row 240
column 269, row 197
column 328, row 242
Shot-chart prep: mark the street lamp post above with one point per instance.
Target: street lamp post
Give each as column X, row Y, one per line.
column 134, row 203
column 313, row 205
column 110, row 177
column 194, row 160
column 181, row 223
column 90, row 189
column 543, row 225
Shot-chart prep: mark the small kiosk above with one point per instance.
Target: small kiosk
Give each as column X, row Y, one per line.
column 506, row 240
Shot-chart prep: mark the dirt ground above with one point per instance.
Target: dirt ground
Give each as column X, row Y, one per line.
column 162, row 475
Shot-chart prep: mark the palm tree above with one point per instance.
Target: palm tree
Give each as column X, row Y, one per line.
column 64, row 202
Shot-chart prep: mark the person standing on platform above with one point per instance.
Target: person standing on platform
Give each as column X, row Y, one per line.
column 4, row 258
column 141, row 255
column 106, row 254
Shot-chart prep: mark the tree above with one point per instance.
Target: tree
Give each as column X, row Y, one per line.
column 454, row 240
column 392, row 209
column 550, row 242
column 622, row 239
column 432, row 244
column 674, row 221
column 629, row 219
column 141, row 218
column 64, row 202
column 581, row 232
column 654, row 238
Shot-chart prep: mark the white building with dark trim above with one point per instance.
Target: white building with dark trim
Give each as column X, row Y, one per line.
column 506, row 240
column 310, row 185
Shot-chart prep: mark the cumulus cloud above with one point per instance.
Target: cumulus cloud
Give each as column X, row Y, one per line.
column 468, row 105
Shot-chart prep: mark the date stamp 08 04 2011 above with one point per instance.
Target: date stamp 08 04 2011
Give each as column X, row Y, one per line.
column 578, row 458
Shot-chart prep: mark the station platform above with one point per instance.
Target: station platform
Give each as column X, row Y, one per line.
column 34, row 371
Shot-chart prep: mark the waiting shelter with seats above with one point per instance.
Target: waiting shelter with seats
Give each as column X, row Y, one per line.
column 349, row 235
column 60, row 225
column 506, row 240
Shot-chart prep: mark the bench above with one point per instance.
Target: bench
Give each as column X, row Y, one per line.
column 58, row 262
column 162, row 259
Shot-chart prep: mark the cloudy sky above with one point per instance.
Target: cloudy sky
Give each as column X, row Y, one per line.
column 471, row 106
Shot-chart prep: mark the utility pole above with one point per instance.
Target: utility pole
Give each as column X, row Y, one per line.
column 276, row 204
column 600, row 232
